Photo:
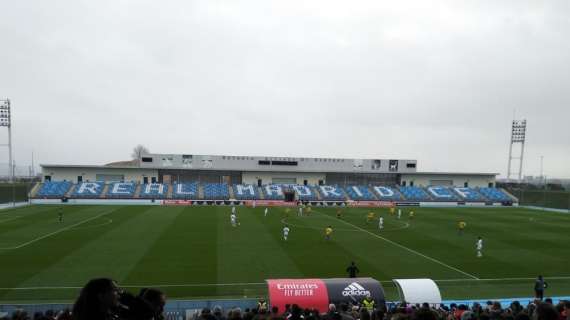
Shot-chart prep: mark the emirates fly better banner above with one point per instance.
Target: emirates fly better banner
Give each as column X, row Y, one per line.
column 318, row 293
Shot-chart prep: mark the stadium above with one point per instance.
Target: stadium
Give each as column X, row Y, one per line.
column 163, row 221
column 292, row 160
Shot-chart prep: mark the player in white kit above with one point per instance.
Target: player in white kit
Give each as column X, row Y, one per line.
column 381, row 223
column 285, row 232
column 233, row 219
column 399, row 213
column 233, row 210
column 300, row 214
column 479, row 247
column 265, row 212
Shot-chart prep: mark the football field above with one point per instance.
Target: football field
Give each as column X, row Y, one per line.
column 194, row 252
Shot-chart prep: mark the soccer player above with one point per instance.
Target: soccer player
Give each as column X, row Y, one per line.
column 60, row 214
column 233, row 210
column 253, row 204
column 381, row 223
column 286, row 232
column 411, row 214
column 339, row 214
column 287, row 210
column 369, row 217
column 265, row 212
column 399, row 213
column 352, row 270
column 300, row 214
column 392, row 211
column 233, row 219
column 479, row 247
column 461, row 227
column 328, row 232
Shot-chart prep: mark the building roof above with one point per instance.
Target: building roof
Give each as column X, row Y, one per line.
column 119, row 165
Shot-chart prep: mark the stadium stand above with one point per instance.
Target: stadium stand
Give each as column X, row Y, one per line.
column 245, row 191
column 153, row 190
column 494, row 194
column 360, row 193
column 442, row 193
column 216, row 191
column 121, row 190
column 185, row 191
column 273, row 192
column 221, row 191
column 332, row 193
column 414, row 193
column 304, row 193
column 385, row 193
column 88, row 190
column 54, row 189
column 468, row 194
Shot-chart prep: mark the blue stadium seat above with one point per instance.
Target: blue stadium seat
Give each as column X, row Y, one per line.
column 88, row 189
column 216, row 191
column 468, row 194
column 121, row 190
column 55, row 189
column 494, row 194
column 442, row 193
column 358, row 193
column 414, row 193
column 386, row 193
column 331, row 193
column 273, row 192
column 304, row 193
column 185, row 191
column 154, row 191
column 245, row 191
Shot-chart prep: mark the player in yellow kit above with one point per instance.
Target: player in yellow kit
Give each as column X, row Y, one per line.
column 461, row 227
column 328, row 232
column 369, row 217
column 392, row 211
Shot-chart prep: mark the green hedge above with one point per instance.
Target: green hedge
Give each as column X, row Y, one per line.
column 21, row 192
column 548, row 199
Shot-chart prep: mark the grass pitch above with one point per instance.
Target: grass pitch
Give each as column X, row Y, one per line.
column 194, row 252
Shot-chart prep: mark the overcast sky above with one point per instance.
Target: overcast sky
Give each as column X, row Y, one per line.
column 435, row 81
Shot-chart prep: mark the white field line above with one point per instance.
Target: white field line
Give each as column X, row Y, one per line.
column 190, row 285
column 405, row 248
column 55, row 232
column 6, row 220
column 285, row 221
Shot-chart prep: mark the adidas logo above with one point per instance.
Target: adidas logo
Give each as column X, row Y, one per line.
column 355, row 289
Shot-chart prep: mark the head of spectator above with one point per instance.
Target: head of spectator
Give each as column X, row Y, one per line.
column 97, row 300
column 156, row 299
column 546, row 311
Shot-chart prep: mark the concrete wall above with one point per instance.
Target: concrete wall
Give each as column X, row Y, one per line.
column 424, row 180
column 89, row 174
column 267, row 177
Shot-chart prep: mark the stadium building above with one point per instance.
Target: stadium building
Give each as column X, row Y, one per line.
column 208, row 177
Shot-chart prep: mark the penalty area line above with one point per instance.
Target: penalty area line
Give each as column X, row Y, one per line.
column 404, row 247
column 55, row 232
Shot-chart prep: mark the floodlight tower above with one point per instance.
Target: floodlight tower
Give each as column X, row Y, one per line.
column 518, row 135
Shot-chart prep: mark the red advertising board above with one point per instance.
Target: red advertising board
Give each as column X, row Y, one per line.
column 384, row 204
column 308, row 293
column 270, row 203
column 177, row 202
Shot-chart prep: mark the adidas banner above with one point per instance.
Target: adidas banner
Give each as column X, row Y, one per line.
column 318, row 293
